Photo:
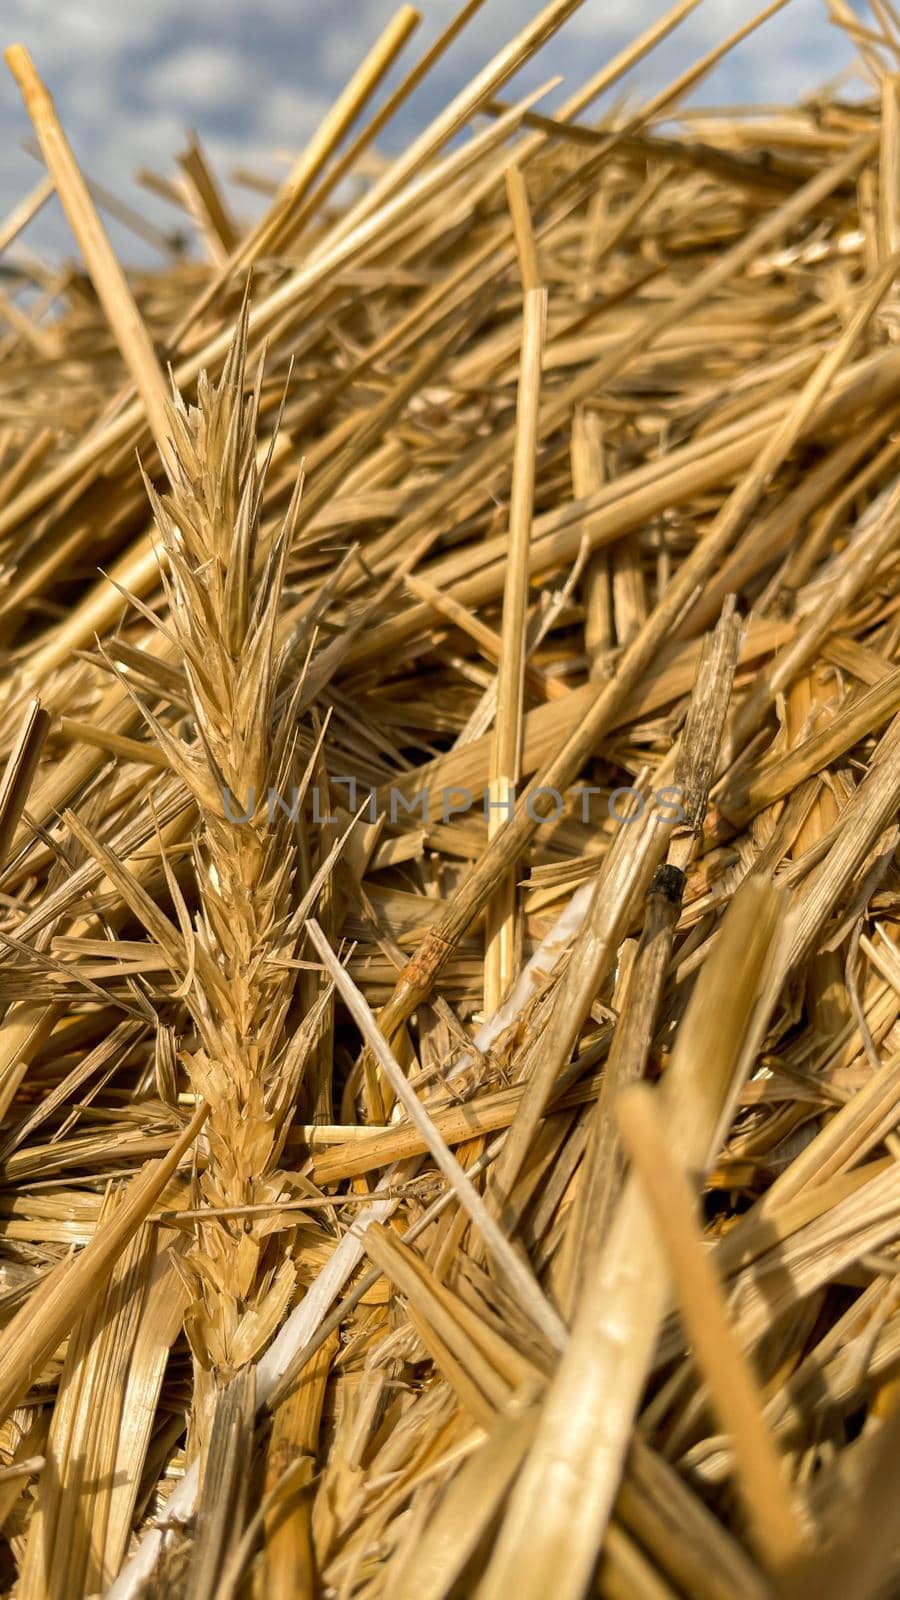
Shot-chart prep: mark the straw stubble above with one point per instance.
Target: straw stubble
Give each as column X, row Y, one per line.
column 550, row 465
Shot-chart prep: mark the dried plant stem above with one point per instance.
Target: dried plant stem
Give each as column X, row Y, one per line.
column 35, row 1332
column 629, row 868
column 278, row 224
column 561, row 770
column 506, row 1259
column 588, row 474
column 248, row 742
column 733, row 1388
column 506, row 754
column 106, row 273
column 576, row 1458
column 602, row 1171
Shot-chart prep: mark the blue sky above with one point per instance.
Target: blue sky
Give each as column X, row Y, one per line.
column 253, row 77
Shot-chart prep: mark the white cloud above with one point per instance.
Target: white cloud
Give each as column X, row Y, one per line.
column 255, row 76
column 201, row 79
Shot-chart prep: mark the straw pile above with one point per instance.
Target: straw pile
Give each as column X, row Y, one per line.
column 450, row 1043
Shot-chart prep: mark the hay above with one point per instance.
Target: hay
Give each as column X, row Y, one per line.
column 450, row 1041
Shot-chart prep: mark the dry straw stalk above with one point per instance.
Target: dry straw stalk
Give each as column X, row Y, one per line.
column 399, row 1199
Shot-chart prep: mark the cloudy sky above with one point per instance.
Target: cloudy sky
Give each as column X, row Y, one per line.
column 253, row 77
